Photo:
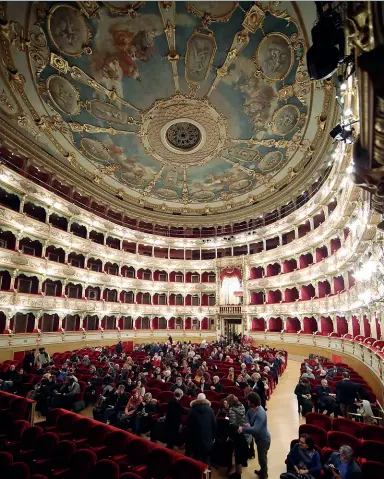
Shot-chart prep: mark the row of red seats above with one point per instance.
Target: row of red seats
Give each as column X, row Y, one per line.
column 57, row 450
column 13, row 408
column 356, row 429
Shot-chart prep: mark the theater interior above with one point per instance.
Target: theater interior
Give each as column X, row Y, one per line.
column 201, row 171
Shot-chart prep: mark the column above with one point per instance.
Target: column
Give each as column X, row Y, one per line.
column 40, row 279
column 153, row 250
column 301, row 319
column 137, row 248
column 38, row 316
column 311, row 223
column 325, row 211
column 22, row 203
column 348, row 318
column 318, row 321
column 13, row 278
column 200, row 323
column 61, row 319
column 334, row 322
column 44, row 248
column 264, row 244
column 284, row 321
column 47, row 215
column 372, row 320
column 296, row 232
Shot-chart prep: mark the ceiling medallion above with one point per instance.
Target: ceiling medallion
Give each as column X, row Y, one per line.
column 183, row 135
column 183, row 131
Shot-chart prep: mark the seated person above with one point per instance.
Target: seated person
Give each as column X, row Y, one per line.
column 179, row 385
column 303, row 458
column 304, row 396
column 127, row 417
column 341, row 465
column 66, row 396
column 143, row 415
column 216, row 385
column 116, row 402
column 92, row 385
column 326, row 400
column 8, row 377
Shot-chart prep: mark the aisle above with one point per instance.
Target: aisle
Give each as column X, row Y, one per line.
column 283, row 424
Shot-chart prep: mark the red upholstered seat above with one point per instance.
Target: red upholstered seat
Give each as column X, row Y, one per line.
column 337, row 439
column 27, row 442
column 129, row 475
column 80, row 467
column 6, row 460
column 96, row 438
column 212, row 396
column 187, row 469
column 136, row 454
column 320, row 420
column 373, row 470
column 347, row 425
column 371, row 451
column 318, row 434
column 19, row 470
column 64, row 425
column 52, row 418
column 59, row 461
column 116, row 445
column 43, row 451
column 373, row 433
column 14, row 436
column 158, row 464
column 105, row 469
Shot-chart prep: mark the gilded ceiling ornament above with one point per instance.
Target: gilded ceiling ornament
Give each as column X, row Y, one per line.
column 271, row 161
column 5, row 102
column 274, row 56
column 110, row 113
column 25, row 123
column 124, row 8
column 217, row 11
column 285, row 119
column 201, row 50
column 58, row 63
column 68, row 30
column 63, row 94
column 181, row 109
column 253, row 18
column 93, row 129
column 90, row 9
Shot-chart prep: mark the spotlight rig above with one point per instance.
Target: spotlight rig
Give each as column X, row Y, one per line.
column 328, row 42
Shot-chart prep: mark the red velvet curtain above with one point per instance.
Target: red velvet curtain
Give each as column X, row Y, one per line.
column 326, row 326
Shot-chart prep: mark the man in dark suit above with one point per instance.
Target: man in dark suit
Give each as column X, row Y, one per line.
column 346, row 393
column 173, row 419
column 341, row 465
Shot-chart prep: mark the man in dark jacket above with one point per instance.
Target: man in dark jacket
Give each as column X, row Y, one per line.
column 173, row 419
column 216, row 385
column 346, row 393
column 116, row 402
column 29, row 360
column 325, row 398
column 341, row 465
column 201, row 424
column 119, row 348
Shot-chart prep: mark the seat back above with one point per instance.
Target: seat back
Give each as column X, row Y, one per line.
column 160, row 462
column 187, row 469
column 373, row 433
column 97, row 435
column 347, row 425
column 80, row 428
column 17, row 430
column 337, row 439
column 320, row 420
column 105, row 469
column 116, row 442
column 62, row 454
column 373, row 470
column 29, row 437
column 318, row 434
column 6, row 460
column 45, row 445
column 165, row 396
column 19, row 470
column 138, row 451
column 372, row 451
column 82, row 463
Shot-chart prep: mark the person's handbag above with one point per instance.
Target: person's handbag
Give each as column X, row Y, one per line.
column 295, row 475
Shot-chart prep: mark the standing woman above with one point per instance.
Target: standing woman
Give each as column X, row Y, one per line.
column 236, row 416
column 259, row 388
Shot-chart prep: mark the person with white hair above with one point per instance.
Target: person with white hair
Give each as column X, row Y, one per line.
column 341, row 465
column 201, row 427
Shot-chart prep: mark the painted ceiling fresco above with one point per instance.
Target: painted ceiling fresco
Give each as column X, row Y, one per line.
column 192, row 105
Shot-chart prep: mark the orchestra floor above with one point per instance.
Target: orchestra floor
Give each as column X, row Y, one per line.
column 283, row 424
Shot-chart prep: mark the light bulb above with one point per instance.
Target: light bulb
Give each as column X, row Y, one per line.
column 343, row 86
